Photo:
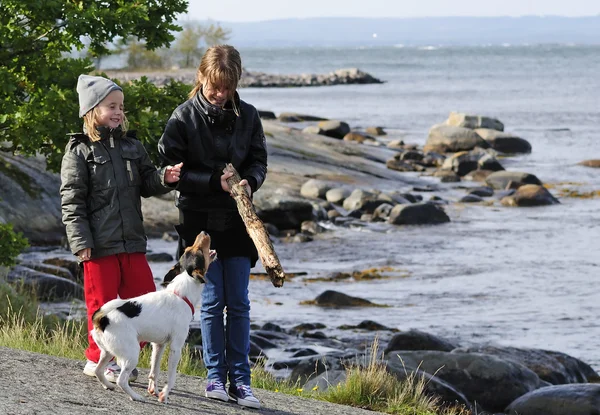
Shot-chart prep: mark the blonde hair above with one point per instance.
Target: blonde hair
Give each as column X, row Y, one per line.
column 221, row 66
column 90, row 122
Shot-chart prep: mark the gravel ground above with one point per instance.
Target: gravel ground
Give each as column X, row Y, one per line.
column 32, row 383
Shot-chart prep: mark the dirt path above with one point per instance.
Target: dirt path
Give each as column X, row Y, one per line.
column 32, row 383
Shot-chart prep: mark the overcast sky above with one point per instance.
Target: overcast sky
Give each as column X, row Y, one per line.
column 256, row 10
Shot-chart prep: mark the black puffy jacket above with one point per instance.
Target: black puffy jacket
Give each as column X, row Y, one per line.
column 192, row 133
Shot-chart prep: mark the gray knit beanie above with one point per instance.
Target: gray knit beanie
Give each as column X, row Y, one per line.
column 92, row 90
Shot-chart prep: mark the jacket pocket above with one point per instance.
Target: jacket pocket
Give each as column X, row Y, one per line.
column 131, row 160
column 101, row 172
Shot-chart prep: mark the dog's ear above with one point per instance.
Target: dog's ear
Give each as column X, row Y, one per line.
column 173, row 272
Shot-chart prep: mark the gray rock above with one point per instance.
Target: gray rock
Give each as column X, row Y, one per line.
column 285, row 212
column 558, row 400
column 500, row 179
column 482, row 191
column 418, row 214
column 448, row 139
column 334, row 128
column 459, row 119
column 295, row 117
column 530, row 195
column 383, row 211
column 471, row 199
column 375, row 131
column 504, row 142
column 358, row 199
column 490, row 381
column 159, row 257
column 266, row 115
column 315, row 189
column 337, row 195
column 400, row 165
column 418, row 340
column 332, row 298
column 47, row 287
column 313, row 129
column 553, row 367
column 326, row 380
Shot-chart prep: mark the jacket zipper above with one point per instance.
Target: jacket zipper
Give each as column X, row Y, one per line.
column 129, row 170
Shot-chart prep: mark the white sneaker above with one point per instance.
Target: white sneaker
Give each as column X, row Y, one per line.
column 112, row 371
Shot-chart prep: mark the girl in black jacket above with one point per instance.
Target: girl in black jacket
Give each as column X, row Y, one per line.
column 212, row 128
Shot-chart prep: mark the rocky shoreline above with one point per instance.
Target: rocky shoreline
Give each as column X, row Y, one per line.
column 251, row 79
column 328, row 173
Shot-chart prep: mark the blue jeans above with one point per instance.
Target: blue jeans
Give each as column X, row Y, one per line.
column 226, row 346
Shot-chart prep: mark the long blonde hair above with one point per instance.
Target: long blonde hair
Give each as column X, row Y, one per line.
column 90, row 122
column 221, row 65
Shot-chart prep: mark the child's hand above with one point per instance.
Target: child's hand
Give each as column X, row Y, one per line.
column 244, row 184
column 84, row 254
column 172, row 173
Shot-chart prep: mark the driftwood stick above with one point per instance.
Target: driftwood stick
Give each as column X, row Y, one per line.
column 256, row 228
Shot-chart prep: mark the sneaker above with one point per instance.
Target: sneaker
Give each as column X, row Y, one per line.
column 112, row 371
column 243, row 395
column 216, row 390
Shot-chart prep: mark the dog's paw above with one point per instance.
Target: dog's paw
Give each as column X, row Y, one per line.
column 109, row 387
column 162, row 397
column 152, row 391
column 137, row 398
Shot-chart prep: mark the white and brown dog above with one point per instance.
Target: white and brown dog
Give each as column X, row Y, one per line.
column 161, row 317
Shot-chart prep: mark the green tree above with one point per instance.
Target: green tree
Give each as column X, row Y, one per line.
column 193, row 39
column 38, row 99
column 11, row 244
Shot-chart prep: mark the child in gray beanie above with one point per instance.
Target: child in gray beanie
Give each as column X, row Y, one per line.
column 104, row 172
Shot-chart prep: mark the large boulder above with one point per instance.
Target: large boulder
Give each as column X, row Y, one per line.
column 504, row 142
column 449, row 139
column 462, row 163
column 418, row 214
column 488, row 380
column 30, row 199
column 500, row 179
column 418, row 340
column 581, row 399
column 47, row 287
column 530, row 195
column 459, row 119
column 553, row 367
column 332, row 298
column 362, row 200
column 285, row 212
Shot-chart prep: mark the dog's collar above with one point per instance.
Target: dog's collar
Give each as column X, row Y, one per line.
column 187, row 301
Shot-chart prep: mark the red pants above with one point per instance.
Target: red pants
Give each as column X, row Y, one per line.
column 124, row 275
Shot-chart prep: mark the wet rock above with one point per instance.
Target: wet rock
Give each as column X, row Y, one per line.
column 418, row 340
column 590, row 163
column 459, row 119
column 272, row 327
column 314, row 335
column 47, row 287
column 362, row 200
column 530, row 195
column 266, row 115
column 159, row 257
column 305, row 352
column 500, row 179
column 478, row 175
column 410, row 197
column 375, row 131
column 483, row 191
column 271, row 335
column 332, row 298
column 433, row 159
column 558, row 400
column 553, row 367
column 337, row 195
column 471, row 199
column 462, row 163
column 418, row 214
column 368, row 325
column 272, row 229
column 301, row 238
column 366, row 217
column 394, row 198
column 410, row 155
column 49, row 269
column 262, row 342
column 449, row 139
column 194, row 337
column 396, row 145
column 504, row 142
column 332, row 214
column 311, row 227
column 307, row 326
column 492, row 382
column 334, row 128
column 285, row 212
column 255, row 351
column 295, row 117
column 447, row 176
column 400, row 165
column 434, row 386
column 315, row 189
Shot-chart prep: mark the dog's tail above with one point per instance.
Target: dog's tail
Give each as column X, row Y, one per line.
column 100, row 319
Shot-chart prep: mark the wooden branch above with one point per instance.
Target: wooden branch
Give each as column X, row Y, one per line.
column 256, row 228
